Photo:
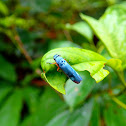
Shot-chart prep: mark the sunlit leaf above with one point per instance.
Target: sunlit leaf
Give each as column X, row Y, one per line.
column 83, row 28
column 111, row 29
column 80, row 60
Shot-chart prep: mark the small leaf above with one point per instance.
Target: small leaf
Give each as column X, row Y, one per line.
column 3, row 8
column 10, row 111
column 57, row 84
column 76, row 93
column 80, row 60
column 83, row 28
column 13, row 20
column 7, row 70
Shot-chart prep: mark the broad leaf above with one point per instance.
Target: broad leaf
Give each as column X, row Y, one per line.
column 10, row 111
column 80, row 60
column 110, row 29
column 76, row 93
column 79, row 117
column 31, row 97
column 83, row 28
column 61, row 119
column 50, row 104
column 95, row 118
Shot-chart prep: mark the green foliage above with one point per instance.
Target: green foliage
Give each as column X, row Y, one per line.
column 78, row 92
column 81, row 60
column 32, row 32
column 3, row 8
column 49, row 105
column 82, row 28
column 114, row 114
column 111, row 30
column 11, row 108
column 81, row 116
column 7, row 70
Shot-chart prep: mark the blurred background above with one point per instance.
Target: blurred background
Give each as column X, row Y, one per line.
column 29, row 29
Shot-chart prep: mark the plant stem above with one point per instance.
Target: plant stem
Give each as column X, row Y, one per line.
column 68, row 36
column 118, row 102
column 121, row 77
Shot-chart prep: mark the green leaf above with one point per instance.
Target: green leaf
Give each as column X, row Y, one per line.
column 83, row 28
column 95, row 118
column 110, row 29
column 80, row 60
column 3, row 8
column 114, row 115
column 61, row 119
column 7, row 70
column 50, row 104
column 77, row 93
column 31, row 97
column 10, row 111
column 4, row 91
column 56, row 83
column 79, row 117
column 60, row 44
column 13, row 20
column 116, row 64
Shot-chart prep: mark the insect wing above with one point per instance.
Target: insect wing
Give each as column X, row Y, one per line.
column 71, row 73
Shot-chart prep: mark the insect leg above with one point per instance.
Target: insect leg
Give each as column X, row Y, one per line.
column 58, row 67
column 51, row 63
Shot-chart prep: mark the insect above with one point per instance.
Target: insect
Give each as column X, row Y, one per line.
column 67, row 69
